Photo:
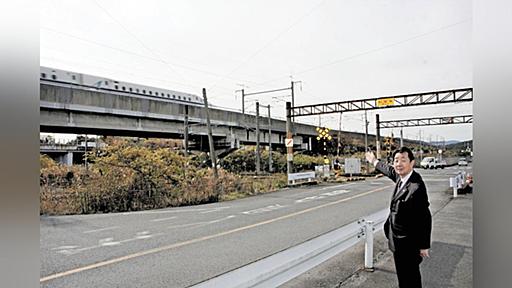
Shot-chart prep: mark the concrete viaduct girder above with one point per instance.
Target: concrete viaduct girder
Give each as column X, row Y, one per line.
column 68, row 109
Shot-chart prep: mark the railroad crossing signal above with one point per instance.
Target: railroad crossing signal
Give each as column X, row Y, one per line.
column 323, row 134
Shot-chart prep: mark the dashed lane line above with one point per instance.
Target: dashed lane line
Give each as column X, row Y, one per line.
column 192, row 241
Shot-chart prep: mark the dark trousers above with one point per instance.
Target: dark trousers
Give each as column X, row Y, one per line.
column 407, row 263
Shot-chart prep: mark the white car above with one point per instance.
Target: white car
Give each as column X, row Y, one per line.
column 432, row 163
column 462, row 162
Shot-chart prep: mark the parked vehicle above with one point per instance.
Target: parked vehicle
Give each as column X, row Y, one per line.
column 432, row 163
column 462, row 162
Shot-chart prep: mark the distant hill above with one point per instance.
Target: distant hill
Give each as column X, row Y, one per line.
column 460, row 145
column 447, row 143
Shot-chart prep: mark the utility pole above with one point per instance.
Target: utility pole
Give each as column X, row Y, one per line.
column 366, row 140
column 243, row 101
column 210, row 136
column 85, row 154
column 185, row 135
column 293, row 98
column 378, row 136
column 269, row 139
column 339, row 136
column 421, row 148
column 257, row 137
column 289, row 155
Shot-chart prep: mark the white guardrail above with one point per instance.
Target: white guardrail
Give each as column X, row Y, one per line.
column 281, row 267
column 301, row 177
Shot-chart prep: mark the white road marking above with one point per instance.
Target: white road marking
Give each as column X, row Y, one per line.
column 163, row 219
column 200, row 223
column 264, row 209
column 323, row 195
column 102, row 229
column 196, row 240
column 163, row 212
column 338, row 186
column 65, row 247
column 214, row 210
column 108, row 242
column 143, row 235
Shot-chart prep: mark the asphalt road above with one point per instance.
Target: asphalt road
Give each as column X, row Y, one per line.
column 179, row 247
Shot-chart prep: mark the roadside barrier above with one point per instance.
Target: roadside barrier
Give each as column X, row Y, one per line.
column 300, row 178
column 283, row 266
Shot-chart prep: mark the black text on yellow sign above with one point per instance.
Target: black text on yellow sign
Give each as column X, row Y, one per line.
column 385, row 102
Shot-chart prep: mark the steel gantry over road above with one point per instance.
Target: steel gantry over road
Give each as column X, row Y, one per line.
column 398, row 101
column 464, row 119
column 417, row 99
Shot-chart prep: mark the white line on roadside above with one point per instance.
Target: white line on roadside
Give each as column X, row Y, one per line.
column 338, row 186
column 323, row 195
column 163, row 219
column 65, row 247
column 101, row 229
column 264, row 209
column 200, row 223
column 163, row 211
column 105, row 242
column 214, row 210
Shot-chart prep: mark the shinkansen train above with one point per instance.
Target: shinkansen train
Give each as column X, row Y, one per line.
column 57, row 76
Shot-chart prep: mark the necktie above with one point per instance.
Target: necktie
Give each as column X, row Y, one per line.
column 397, row 188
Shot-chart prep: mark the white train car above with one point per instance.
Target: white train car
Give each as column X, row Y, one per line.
column 58, row 76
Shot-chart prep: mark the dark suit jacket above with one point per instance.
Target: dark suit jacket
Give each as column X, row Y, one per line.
column 409, row 223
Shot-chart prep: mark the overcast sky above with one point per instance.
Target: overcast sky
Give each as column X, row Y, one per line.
column 339, row 50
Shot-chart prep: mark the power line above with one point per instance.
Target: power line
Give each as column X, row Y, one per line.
column 370, row 51
column 279, row 35
column 138, row 40
column 125, row 51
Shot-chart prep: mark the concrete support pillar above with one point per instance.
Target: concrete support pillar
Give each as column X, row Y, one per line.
column 68, row 159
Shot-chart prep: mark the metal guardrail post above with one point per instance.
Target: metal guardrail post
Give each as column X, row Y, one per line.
column 368, row 246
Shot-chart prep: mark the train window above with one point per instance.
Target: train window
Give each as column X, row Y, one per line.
column 106, row 83
column 130, row 89
column 150, row 93
column 124, row 88
column 189, row 99
column 137, row 90
column 144, row 91
column 43, row 75
column 168, row 96
column 54, row 77
column 173, row 96
column 117, row 87
column 73, row 77
column 156, row 93
column 179, row 97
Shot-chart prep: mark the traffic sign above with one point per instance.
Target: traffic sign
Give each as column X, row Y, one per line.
column 385, row 102
column 288, row 142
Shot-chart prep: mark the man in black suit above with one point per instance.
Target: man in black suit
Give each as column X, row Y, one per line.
column 409, row 223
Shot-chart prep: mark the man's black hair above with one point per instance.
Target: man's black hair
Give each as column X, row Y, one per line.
column 404, row 149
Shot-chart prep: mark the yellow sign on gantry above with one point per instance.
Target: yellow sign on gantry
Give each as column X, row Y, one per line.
column 385, row 102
